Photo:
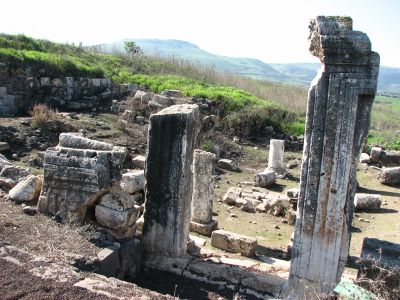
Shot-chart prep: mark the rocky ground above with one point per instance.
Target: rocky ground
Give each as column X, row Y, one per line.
column 67, row 244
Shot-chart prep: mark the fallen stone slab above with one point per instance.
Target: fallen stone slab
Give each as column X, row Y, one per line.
column 109, row 264
column 390, row 176
column 132, row 182
column 376, row 154
column 391, row 157
column 228, row 164
column 367, row 202
column 27, row 190
column 260, row 280
column 233, row 242
column 265, row 178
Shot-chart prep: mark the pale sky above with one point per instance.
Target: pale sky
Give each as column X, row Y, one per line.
column 272, row 31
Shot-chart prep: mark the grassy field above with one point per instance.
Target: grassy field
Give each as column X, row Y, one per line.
column 385, row 123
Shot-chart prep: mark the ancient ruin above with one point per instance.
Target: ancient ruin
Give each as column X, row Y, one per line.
column 338, row 117
column 276, row 157
column 171, row 142
column 77, row 173
column 203, row 193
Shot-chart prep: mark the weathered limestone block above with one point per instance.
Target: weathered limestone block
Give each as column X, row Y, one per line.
column 364, row 158
column 132, row 182
column 367, row 201
column 118, row 212
column 338, row 118
column 75, row 178
column 276, row 156
column 390, row 175
column 265, row 179
column 10, row 175
column 171, row 142
column 391, row 157
column 228, row 164
column 231, row 195
column 233, row 242
column 203, row 193
column 26, row 190
column 139, row 162
column 203, row 186
column 376, row 154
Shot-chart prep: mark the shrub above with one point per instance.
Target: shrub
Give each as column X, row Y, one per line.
column 41, row 115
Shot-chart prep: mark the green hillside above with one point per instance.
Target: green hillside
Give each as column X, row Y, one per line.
column 293, row 73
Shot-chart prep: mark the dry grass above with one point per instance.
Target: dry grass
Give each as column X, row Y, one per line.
column 41, row 115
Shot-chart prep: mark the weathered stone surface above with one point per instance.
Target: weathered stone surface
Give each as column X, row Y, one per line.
column 338, row 117
column 204, row 229
column 228, row 164
column 233, row 242
column 390, row 176
column 172, row 138
column 203, row 186
column 26, row 190
column 364, row 158
column 4, row 146
column 74, row 178
column 376, row 154
column 276, row 156
column 133, row 182
column 10, row 175
column 117, row 211
column 231, row 195
column 367, row 201
column 109, row 264
column 139, row 162
column 4, row 162
column 276, row 206
column 172, row 93
column 391, row 157
column 290, row 217
column 265, row 178
column 131, row 258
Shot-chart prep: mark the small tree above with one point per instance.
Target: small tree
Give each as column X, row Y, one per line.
column 132, row 49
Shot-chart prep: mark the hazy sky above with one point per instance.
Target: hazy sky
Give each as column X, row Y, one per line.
column 272, row 31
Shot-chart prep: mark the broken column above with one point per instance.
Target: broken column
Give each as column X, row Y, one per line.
column 203, row 193
column 276, row 157
column 338, row 118
column 171, row 142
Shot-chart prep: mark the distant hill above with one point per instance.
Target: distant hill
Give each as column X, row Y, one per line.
column 297, row 73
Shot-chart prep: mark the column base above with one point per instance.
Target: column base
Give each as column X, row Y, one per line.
column 204, row 229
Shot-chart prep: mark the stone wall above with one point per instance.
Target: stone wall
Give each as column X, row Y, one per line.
column 23, row 86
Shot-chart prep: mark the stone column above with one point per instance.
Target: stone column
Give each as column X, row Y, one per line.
column 338, row 118
column 203, row 193
column 171, row 142
column 276, row 157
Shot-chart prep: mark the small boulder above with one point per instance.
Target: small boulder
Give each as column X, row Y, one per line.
column 265, row 178
column 364, row 158
column 231, row 195
column 228, row 164
column 26, row 190
column 11, row 175
column 139, row 161
column 132, row 182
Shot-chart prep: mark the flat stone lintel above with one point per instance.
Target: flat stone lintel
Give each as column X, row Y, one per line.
column 204, row 229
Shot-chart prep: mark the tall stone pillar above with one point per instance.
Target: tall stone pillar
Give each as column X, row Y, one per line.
column 203, row 193
column 171, row 142
column 338, row 118
column 276, row 157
